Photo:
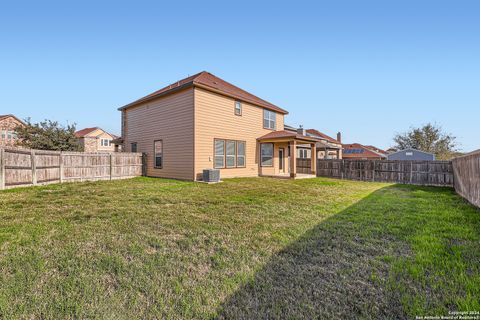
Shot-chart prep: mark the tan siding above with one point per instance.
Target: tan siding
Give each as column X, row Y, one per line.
column 8, row 124
column 170, row 119
column 215, row 118
column 105, row 135
column 91, row 142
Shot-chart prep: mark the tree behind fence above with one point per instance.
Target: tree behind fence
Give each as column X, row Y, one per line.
column 434, row 173
column 24, row 167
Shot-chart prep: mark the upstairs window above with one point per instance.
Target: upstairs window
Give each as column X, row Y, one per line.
column 269, row 119
column 238, row 108
column 133, row 147
column 158, row 153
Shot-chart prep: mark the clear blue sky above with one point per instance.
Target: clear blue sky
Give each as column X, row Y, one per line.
column 366, row 68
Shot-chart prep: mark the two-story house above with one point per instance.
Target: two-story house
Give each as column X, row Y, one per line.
column 96, row 139
column 204, row 122
column 8, row 123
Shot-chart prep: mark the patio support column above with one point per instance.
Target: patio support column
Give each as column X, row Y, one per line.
column 293, row 159
column 314, row 158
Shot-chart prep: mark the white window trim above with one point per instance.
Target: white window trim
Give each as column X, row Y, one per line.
column 225, row 156
column 155, row 154
column 269, row 116
column 238, row 107
column 105, row 142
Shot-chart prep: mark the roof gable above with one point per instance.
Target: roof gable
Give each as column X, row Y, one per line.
column 376, row 149
column 210, row 82
column 84, row 132
column 287, row 134
column 93, row 132
column 6, row 116
column 317, row 133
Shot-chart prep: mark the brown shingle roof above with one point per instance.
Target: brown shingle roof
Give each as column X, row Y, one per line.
column 367, row 153
column 322, row 135
column 376, row 149
column 286, row 134
column 208, row 81
column 4, row 116
column 84, row 132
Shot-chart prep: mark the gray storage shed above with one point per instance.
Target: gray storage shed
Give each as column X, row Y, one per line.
column 411, row 154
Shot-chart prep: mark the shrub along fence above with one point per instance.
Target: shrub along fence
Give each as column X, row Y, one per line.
column 430, row 173
column 25, row 167
column 467, row 177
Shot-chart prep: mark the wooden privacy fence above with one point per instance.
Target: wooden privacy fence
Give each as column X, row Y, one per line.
column 24, row 167
column 432, row 173
column 304, row 165
column 467, row 177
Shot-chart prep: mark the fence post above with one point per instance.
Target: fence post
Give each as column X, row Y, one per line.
column 342, row 168
column 111, row 166
column 2, row 169
column 411, row 172
column 144, row 164
column 428, row 172
column 60, row 167
column 373, row 171
column 34, row 167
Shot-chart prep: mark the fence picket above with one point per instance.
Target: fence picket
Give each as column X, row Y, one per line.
column 467, row 177
column 23, row 167
column 2, row 169
column 437, row 173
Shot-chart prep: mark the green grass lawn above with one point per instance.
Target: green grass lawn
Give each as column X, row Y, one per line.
column 245, row 249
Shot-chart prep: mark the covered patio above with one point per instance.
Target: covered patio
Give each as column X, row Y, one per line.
column 283, row 162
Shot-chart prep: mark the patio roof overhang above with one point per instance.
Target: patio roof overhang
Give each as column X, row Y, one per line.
column 288, row 136
column 329, row 146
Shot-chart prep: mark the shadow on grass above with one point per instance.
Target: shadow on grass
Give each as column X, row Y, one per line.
column 339, row 269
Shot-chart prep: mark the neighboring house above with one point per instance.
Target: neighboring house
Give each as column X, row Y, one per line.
column 8, row 123
column 411, row 154
column 328, row 148
column 378, row 150
column 357, row 151
column 204, row 122
column 96, row 140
